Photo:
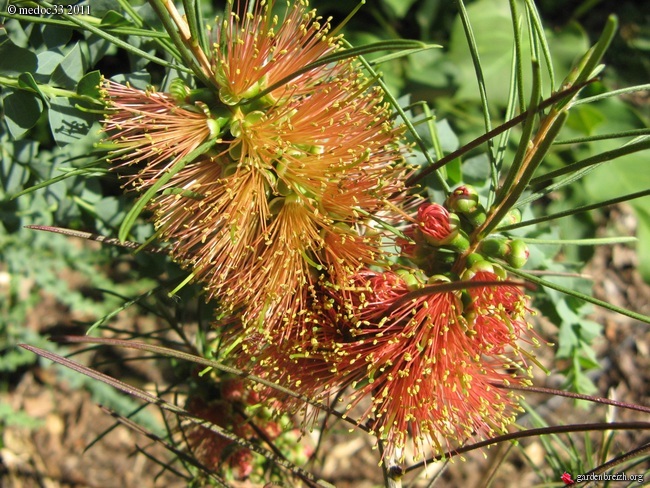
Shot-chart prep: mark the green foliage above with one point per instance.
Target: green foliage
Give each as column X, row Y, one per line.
column 10, row 417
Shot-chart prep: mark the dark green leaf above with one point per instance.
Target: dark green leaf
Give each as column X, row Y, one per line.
column 26, row 80
column 71, row 68
column 139, row 79
column 15, row 60
column 89, row 84
column 68, row 123
column 47, row 63
column 55, row 36
column 22, row 110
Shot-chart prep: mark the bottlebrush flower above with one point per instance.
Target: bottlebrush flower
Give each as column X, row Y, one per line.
column 497, row 313
column 426, row 368
column 212, row 449
column 282, row 202
column 149, row 127
column 235, row 408
column 253, row 51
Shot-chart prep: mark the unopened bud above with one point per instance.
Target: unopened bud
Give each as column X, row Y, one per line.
column 495, row 246
column 518, row 255
column 438, row 226
column 463, row 199
column 511, row 218
column 413, row 278
column 460, row 242
column 473, row 259
column 469, row 273
column 438, row 279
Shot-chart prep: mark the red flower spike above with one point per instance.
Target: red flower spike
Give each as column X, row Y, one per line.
column 428, row 379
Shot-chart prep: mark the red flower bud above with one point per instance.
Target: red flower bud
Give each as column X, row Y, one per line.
column 438, row 226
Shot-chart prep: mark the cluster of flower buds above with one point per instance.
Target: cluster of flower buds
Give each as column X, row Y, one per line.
column 441, row 233
column 233, row 406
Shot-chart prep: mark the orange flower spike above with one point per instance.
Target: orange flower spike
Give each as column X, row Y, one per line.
column 282, row 203
column 149, row 127
column 252, row 52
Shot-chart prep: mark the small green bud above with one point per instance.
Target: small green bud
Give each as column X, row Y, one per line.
column 473, row 259
column 463, row 199
column 518, row 255
column 460, row 242
column 495, row 246
column 414, row 279
column 438, row 279
column 469, row 273
column 511, row 218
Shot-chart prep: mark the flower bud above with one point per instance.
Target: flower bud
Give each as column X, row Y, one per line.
column 438, row 279
column 511, row 218
column 469, row 273
column 518, row 255
column 413, row 278
column 484, row 266
column 473, row 259
column 438, row 226
column 460, row 242
column 495, row 246
column 465, row 201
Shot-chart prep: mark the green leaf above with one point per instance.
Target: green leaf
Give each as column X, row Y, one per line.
column 47, row 63
column 399, row 7
column 585, row 119
column 71, row 68
column 114, row 19
column 55, row 36
column 495, row 50
column 492, row 27
column 15, row 60
column 430, row 68
column 448, row 139
column 137, row 79
column 22, row 110
column 67, row 122
column 89, row 84
column 26, row 80
column 97, row 48
column 14, row 172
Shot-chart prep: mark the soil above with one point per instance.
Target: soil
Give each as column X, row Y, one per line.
column 55, row 453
